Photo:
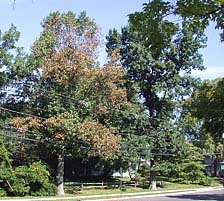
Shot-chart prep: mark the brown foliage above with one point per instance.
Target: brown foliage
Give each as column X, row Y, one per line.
column 66, row 52
column 28, row 123
column 101, row 138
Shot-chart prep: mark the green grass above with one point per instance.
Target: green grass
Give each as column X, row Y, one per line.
column 74, row 189
column 96, row 190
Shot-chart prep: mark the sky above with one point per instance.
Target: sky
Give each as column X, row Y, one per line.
column 27, row 15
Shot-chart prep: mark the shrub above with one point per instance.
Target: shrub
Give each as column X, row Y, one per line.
column 37, row 176
column 144, row 171
column 206, row 181
column 45, row 190
column 2, row 192
column 28, row 180
column 190, row 172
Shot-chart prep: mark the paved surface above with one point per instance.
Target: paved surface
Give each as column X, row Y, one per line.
column 215, row 195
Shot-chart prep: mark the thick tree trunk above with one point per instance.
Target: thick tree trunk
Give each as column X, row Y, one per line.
column 152, row 185
column 216, row 161
column 60, row 173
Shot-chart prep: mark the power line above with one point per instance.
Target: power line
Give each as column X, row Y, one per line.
column 21, row 113
column 58, row 94
column 7, row 130
column 89, row 148
column 51, row 92
column 81, row 142
column 68, row 97
column 18, row 130
column 23, row 138
column 13, row 111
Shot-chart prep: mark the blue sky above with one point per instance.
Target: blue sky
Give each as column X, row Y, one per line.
column 28, row 14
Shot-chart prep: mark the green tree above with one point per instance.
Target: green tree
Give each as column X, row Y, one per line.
column 202, row 116
column 14, row 67
column 202, row 12
column 10, row 58
column 206, row 104
column 190, row 167
column 158, row 56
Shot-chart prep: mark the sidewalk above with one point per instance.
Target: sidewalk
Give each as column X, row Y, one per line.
column 120, row 196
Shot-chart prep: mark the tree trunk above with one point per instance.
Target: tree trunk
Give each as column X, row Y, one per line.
column 216, row 161
column 60, row 173
column 152, row 186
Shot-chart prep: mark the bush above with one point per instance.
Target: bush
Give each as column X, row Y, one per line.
column 28, row 180
column 38, row 178
column 2, row 192
column 206, row 181
column 144, row 171
column 18, row 187
column 190, row 173
column 47, row 189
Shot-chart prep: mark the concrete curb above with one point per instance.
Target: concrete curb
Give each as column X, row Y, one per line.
column 122, row 196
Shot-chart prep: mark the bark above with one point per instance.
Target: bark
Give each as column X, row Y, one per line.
column 153, row 186
column 216, row 161
column 60, row 173
column 152, row 177
column 216, row 166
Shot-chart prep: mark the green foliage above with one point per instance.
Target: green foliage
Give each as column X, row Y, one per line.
column 134, row 149
column 155, row 52
column 206, row 104
column 47, row 189
column 159, row 55
column 144, row 171
column 164, row 168
column 189, row 169
column 201, row 12
column 27, row 180
column 132, row 120
column 14, row 63
column 2, row 192
column 75, row 96
column 190, row 172
column 37, row 178
column 8, row 51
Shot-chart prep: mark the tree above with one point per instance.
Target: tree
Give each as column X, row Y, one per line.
column 10, row 58
column 201, row 12
column 190, row 167
column 158, row 56
column 206, row 104
column 73, row 98
column 14, row 66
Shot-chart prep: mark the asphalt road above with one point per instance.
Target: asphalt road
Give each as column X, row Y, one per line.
column 217, row 195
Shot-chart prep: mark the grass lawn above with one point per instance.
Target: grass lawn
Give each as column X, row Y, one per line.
column 116, row 189
column 74, row 189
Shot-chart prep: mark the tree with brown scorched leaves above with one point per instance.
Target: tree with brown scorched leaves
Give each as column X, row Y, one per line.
column 73, row 95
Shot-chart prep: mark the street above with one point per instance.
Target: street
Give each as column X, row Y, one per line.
column 215, row 195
